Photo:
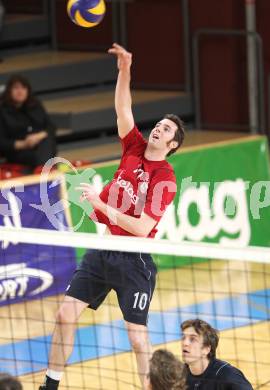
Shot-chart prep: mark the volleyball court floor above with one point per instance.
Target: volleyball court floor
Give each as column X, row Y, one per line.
column 236, row 295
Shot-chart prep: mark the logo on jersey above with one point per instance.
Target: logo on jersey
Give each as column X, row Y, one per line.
column 127, row 186
column 144, row 177
column 143, row 187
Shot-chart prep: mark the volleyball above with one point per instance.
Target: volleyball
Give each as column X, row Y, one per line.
column 86, row 13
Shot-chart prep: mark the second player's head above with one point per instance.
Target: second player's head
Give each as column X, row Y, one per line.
column 9, row 382
column 199, row 341
column 167, row 135
column 166, row 372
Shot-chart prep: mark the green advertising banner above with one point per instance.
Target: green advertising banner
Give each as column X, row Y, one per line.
column 223, row 196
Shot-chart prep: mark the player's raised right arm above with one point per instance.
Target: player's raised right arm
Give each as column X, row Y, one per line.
column 123, row 102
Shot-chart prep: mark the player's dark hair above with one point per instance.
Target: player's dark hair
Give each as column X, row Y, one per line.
column 9, row 382
column 166, row 372
column 210, row 335
column 180, row 132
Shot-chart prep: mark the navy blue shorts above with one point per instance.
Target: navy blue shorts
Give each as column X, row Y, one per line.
column 131, row 275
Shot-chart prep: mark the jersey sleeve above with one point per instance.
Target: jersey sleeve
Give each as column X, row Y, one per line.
column 133, row 142
column 162, row 190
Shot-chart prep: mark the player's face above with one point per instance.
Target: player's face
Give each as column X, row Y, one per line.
column 19, row 93
column 162, row 134
column 193, row 350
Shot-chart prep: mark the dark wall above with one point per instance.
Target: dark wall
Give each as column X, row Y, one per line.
column 222, row 63
column 155, row 35
column 263, row 27
column 23, row 6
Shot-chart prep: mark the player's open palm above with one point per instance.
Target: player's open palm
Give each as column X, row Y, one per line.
column 89, row 193
column 124, row 58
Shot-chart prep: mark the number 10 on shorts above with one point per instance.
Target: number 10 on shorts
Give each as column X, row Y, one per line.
column 140, row 300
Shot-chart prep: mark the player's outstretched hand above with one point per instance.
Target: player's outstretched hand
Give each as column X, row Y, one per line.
column 89, row 193
column 124, row 58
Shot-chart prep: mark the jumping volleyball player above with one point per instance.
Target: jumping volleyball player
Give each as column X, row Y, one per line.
column 130, row 205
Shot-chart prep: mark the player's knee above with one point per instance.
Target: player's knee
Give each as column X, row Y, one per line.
column 63, row 316
column 139, row 342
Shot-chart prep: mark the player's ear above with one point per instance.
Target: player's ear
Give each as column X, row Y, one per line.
column 173, row 144
column 206, row 350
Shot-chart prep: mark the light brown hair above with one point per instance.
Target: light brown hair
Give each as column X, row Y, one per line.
column 9, row 382
column 166, row 371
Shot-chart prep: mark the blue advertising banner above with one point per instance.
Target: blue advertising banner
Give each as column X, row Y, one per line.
column 30, row 271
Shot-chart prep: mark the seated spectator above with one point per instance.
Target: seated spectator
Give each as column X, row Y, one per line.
column 9, row 382
column 27, row 135
column 204, row 370
column 166, row 372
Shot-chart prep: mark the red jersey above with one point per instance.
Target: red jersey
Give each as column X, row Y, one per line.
column 139, row 185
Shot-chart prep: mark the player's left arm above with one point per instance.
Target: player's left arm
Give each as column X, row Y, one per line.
column 140, row 227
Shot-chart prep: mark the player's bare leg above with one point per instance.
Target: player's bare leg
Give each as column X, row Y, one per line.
column 63, row 335
column 139, row 339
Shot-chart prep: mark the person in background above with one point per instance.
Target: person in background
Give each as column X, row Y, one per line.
column 27, row 135
column 9, row 382
column 204, row 370
column 166, row 372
